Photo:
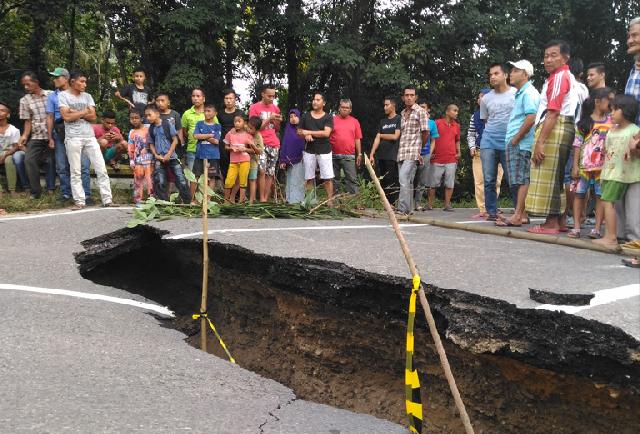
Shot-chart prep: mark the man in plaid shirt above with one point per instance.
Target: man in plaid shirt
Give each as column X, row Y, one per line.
column 633, row 48
column 414, row 131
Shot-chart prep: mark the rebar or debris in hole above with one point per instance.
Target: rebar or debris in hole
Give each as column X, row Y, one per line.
column 550, row 297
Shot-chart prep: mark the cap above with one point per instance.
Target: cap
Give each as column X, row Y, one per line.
column 59, row 72
column 525, row 65
column 485, row 90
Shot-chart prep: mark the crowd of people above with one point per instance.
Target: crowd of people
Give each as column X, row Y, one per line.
column 554, row 148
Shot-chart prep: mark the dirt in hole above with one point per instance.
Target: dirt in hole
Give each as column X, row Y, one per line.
column 355, row 360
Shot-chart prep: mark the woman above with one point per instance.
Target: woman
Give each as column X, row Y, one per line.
column 291, row 159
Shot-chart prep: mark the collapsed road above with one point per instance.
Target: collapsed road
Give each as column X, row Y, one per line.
column 321, row 307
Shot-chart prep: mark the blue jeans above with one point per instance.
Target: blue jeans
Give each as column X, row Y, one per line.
column 18, row 161
column 62, row 167
column 191, row 158
column 490, row 159
column 160, row 180
column 406, row 174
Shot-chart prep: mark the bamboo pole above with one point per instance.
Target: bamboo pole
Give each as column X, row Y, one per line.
column 423, row 301
column 205, row 257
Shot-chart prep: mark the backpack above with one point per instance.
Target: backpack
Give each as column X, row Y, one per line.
column 167, row 131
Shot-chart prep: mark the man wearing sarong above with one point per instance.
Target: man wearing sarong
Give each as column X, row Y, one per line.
column 553, row 139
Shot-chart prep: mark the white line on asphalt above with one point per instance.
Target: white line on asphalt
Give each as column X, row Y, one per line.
column 485, row 221
column 89, row 296
column 294, row 228
column 601, row 297
column 55, row 214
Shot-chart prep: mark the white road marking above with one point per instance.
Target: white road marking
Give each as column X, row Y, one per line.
column 55, row 214
column 485, row 221
column 89, row 296
column 294, row 228
column 601, row 297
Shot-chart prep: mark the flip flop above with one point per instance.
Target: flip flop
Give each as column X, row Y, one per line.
column 633, row 262
column 537, row 229
column 506, row 223
column 564, row 229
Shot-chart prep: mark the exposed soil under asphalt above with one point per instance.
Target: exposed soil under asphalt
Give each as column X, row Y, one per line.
column 336, row 335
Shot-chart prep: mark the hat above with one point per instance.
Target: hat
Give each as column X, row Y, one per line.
column 485, row 90
column 525, row 65
column 59, row 72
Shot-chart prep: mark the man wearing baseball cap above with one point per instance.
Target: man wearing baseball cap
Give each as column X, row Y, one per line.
column 55, row 128
column 519, row 138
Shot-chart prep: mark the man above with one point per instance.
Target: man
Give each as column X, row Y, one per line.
column 519, row 138
column 495, row 109
column 384, row 150
column 315, row 127
column 414, row 131
column 445, row 156
column 346, row 147
column 35, row 136
column 110, row 139
column 189, row 120
column 78, row 110
column 55, row 130
column 266, row 110
column 474, row 137
column 553, row 137
column 422, row 178
column 596, row 76
column 9, row 136
column 225, row 117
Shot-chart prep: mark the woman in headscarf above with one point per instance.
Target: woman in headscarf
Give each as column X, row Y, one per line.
column 291, row 159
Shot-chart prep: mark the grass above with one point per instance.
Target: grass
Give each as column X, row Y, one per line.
column 21, row 202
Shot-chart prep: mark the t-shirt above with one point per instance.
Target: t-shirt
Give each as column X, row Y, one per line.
column 204, row 148
column 344, row 135
column 173, row 118
column 262, row 110
column 633, row 87
column 255, row 158
column 189, row 120
column 433, row 134
column 319, row 145
column 226, row 120
column 388, row 149
column 99, row 131
column 138, row 148
column 496, row 108
column 8, row 138
column 52, row 106
column 616, row 168
column 139, row 97
column 445, row 152
column 525, row 104
column 559, row 94
column 238, row 139
column 592, row 150
column 162, row 143
column 79, row 128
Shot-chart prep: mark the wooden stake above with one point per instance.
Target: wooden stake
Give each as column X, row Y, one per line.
column 205, row 256
column 423, row 301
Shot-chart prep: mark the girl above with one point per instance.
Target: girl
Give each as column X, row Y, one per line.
column 140, row 158
column 239, row 143
column 291, row 159
column 620, row 168
column 588, row 157
column 253, row 127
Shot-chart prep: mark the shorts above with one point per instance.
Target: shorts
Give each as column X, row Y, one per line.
column 568, row 167
column 109, row 153
column 518, row 165
column 324, row 161
column 237, row 170
column 253, row 173
column 438, row 171
column 613, row 190
column 269, row 160
column 588, row 179
column 213, row 172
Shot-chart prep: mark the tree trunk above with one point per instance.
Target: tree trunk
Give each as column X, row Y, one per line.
column 71, row 58
column 36, row 43
column 293, row 15
column 229, row 55
column 118, row 52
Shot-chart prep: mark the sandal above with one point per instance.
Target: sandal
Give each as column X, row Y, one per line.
column 537, row 229
column 574, row 233
column 594, row 234
column 479, row 216
column 506, row 223
column 633, row 262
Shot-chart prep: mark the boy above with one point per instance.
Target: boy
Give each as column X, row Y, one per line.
column 239, row 143
column 208, row 134
column 9, row 137
column 110, row 139
column 444, row 158
column 253, row 128
column 140, row 157
column 421, row 179
column 162, row 140
column 136, row 94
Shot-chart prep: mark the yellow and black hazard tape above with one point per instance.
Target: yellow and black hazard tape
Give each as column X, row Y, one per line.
column 411, row 380
column 215, row 332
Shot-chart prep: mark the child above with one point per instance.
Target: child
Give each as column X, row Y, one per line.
column 136, row 94
column 291, row 159
column 140, row 157
column 444, row 158
column 620, row 168
column 238, row 142
column 253, row 128
column 163, row 139
column 207, row 133
column 111, row 142
column 588, row 157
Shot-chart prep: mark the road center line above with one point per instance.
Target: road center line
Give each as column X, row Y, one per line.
column 89, row 296
column 55, row 214
column 604, row 296
column 294, row 228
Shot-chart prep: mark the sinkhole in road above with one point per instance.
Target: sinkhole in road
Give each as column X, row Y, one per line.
column 335, row 335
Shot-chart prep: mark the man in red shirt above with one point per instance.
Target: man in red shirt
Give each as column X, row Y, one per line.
column 269, row 113
column 111, row 142
column 346, row 146
column 445, row 155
